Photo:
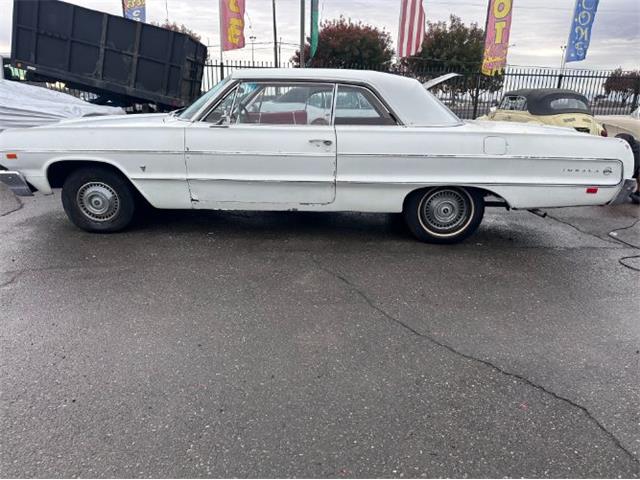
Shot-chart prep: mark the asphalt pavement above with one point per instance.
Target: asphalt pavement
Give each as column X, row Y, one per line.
column 318, row 345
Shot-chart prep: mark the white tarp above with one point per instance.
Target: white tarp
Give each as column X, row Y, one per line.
column 23, row 105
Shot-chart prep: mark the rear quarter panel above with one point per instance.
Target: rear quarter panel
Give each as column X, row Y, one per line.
column 528, row 166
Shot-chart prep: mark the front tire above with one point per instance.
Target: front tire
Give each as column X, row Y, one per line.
column 443, row 215
column 98, row 200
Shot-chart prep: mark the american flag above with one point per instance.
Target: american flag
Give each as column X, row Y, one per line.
column 411, row 31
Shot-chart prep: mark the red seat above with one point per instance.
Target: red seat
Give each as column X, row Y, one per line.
column 298, row 117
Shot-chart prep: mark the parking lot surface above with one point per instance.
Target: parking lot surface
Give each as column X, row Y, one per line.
column 307, row 344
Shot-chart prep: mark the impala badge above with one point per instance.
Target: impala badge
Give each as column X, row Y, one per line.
column 607, row 171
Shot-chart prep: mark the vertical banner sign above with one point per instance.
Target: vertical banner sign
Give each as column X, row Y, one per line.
column 580, row 34
column 231, row 24
column 134, row 10
column 411, row 29
column 314, row 26
column 496, row 43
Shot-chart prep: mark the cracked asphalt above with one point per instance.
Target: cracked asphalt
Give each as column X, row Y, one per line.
column 318, row 345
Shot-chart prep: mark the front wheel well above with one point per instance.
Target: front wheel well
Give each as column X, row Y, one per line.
column 496, row 201
column 58, row 172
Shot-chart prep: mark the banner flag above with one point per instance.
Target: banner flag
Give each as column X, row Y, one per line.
column 411, row 29
column 496, row 40
column 231, row 24
column 583, row 16
column 134, row 10
column 314, row 26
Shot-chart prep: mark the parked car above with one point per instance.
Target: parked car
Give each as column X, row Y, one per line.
column 622, row 124
column 222, row 152
column 547, row 106
column 23, row 105
column 626, row 127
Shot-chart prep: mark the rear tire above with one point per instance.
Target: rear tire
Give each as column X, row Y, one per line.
column 443, row 215
column 98, row 200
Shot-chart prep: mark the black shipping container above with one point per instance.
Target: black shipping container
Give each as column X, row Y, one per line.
column 106, row 54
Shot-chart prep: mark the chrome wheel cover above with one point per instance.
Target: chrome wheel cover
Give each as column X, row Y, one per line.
column 445, row 212
column 98, row 201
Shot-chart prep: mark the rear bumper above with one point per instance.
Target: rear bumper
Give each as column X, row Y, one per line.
column 628, row 187
column 16, row 183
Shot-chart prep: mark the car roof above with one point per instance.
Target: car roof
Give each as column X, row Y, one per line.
column 405, row 96
column 536, row 93
column 538, row 100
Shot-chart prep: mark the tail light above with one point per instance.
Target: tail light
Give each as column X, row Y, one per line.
column 604, row 132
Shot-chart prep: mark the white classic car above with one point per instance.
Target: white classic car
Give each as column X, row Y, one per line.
column 392, row 148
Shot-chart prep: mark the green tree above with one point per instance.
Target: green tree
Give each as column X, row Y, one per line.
column 178, row 28
column 454, row 46
column 623, row 84
column 343, row 43
column 451, row 44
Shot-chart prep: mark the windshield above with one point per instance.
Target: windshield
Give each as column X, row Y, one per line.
column 192, row 109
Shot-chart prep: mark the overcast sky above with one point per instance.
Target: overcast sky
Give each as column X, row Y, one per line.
column 539, row 27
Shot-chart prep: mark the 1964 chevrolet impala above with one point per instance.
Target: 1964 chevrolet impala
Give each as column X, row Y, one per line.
column 321, row 140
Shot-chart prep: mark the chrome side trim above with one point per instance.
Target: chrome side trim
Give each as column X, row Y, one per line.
column 97, row 150
column 394, row 155
column 180, row 152
column 263, row 154
column 250, row 180
column 484, row 184
column 377, row 184
column 475, row 156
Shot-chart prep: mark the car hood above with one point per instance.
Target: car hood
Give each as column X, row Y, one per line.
column 134, row 120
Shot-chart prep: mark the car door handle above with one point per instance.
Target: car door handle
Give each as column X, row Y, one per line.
column 321, row 140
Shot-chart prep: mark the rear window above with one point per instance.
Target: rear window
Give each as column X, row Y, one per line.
column 358, row 106
column 572, row 104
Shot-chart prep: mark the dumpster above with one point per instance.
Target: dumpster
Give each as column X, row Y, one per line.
column 123, row 61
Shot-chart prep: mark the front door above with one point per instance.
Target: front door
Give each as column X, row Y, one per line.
column 266, row 145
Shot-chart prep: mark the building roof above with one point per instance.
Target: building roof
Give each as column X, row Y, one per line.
column 408, row 99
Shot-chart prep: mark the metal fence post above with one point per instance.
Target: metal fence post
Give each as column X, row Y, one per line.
column 221, row 70
column 476, row 97
column 636, row 94
column 560, row 76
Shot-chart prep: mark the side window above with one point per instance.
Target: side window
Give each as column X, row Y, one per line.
column 284, row 104
column 515, row 102
column 221, row 114
column 358, row 106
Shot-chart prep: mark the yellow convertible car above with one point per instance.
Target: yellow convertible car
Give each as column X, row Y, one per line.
column 547, row 106
column 566, row 108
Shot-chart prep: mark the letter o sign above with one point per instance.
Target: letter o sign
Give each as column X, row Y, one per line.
column 501, row 8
